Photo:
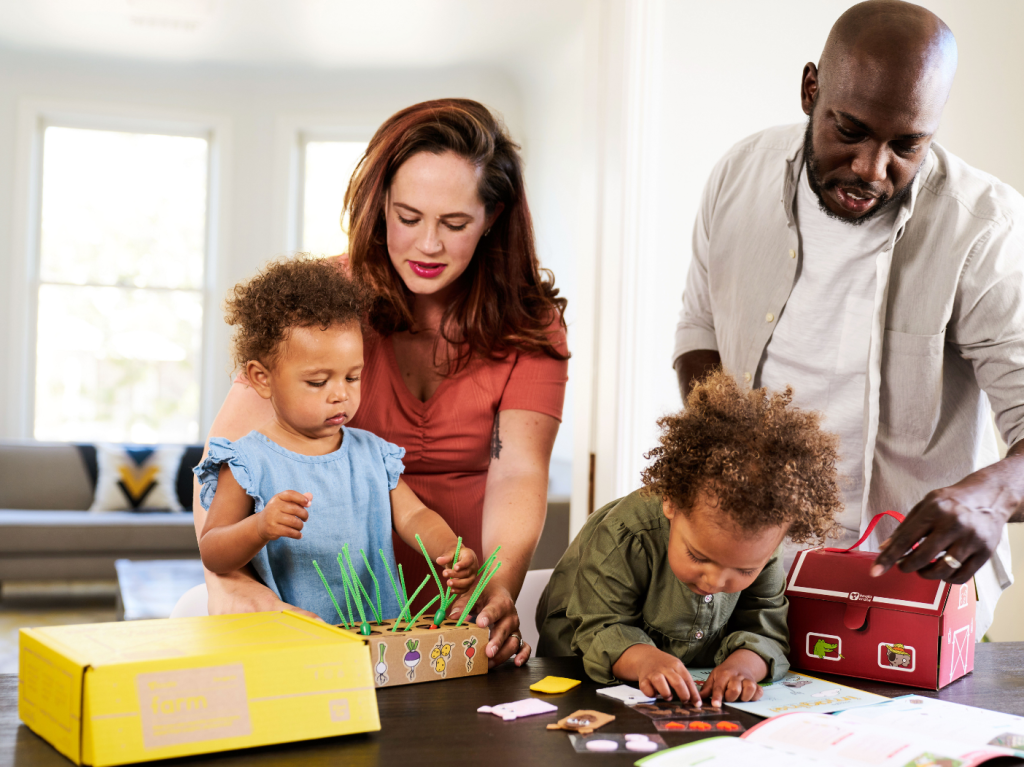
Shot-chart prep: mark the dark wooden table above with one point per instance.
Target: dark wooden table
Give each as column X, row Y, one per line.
column 437, row 724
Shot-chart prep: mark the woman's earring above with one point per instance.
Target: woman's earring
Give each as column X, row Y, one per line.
column 487, row 232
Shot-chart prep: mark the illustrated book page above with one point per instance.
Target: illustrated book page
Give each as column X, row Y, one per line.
column 798, row 692
column 804, row 739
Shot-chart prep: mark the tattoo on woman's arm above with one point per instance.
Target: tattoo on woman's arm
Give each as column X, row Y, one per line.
column 495, row 439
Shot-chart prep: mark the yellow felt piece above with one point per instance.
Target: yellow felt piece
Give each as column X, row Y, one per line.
column 553, row 684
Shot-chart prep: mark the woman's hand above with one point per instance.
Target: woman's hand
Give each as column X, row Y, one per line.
column 239, row 592
column 497, row 610
column 463, row 575
column 736, row 678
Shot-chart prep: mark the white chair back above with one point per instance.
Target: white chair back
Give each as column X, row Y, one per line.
column 192, row 603
column 526, row 605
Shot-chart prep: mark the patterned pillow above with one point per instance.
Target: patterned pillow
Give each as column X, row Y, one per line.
column 137, row 478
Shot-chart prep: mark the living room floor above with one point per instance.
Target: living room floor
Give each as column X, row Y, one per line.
column 25, row 604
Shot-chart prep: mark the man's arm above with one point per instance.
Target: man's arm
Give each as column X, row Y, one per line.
column 965, row 520
column 694, row 366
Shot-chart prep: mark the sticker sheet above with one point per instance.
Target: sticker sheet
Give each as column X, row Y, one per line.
column 618, row 743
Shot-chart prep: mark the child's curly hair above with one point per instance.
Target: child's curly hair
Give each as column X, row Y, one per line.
column 766, row 463
column 297, row 292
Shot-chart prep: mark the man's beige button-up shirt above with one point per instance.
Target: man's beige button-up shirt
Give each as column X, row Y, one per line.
column 947, row 336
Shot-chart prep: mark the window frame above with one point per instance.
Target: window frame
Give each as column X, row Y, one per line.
column 18, row 411
column 293, row 133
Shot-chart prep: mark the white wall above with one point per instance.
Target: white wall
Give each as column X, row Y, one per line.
column 254, row 102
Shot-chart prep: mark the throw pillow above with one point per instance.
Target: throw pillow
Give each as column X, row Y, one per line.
column 137, row 478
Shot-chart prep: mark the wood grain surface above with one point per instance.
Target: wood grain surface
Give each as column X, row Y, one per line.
column 436, row 724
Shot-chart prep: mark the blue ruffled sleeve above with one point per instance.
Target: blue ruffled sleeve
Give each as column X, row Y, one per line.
column 222, row 451
column 392, row 455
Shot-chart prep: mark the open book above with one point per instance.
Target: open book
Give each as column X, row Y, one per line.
column 911, row 731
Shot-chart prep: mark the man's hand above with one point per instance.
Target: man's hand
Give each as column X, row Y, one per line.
column 694, row 366
column 964, row 520
column 736, row 679
column 657, row 672
column 283, row 516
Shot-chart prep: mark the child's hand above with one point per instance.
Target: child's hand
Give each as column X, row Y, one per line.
column 657, row 672
column 462, row 576
column 284, row 515
column 736, row 678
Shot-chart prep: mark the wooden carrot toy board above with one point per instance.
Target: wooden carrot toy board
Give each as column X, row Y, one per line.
column 412, row 648
column 425, row 654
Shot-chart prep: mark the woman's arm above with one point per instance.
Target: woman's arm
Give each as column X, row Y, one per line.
column 239, row 591
column 515, row 506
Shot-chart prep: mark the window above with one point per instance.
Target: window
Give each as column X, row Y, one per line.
column 327, row 167
column 122, row 251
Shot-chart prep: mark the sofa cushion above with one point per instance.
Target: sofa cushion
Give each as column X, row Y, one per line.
column 24, row 531
column 137, row 478
column 41, row 475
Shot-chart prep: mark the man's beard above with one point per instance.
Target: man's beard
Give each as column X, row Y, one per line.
column 819, row 187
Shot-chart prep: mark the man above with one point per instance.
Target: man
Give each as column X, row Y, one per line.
column 881, row 277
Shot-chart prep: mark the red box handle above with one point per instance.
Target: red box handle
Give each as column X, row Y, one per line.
column 894, row 514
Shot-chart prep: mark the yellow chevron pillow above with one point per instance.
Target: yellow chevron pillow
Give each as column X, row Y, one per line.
column 137, row 478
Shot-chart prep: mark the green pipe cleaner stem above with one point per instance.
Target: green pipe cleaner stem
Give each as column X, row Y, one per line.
column 330, row 594
column 350, row 588
column 394, row 586
column 401, row 577
column 369, row 602
column 476, row 594
column 408, row 603
column 437, row 580
column 344, row 588
column 425, row 607
column 355, row 580
column 448, row 599
column 376, row 586
column 489, row 560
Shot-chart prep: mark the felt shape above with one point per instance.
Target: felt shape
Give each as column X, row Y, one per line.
column 625, row 694
column 584, row 721
column 554, row 684
column 137, row 478
column 518, row 708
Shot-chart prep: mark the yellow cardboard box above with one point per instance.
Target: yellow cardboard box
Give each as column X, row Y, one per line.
column 115, row 693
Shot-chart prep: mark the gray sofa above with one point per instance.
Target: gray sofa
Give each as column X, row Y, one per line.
column 47, row 533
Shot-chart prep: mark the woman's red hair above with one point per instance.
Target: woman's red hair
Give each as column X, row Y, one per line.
column 508, row 302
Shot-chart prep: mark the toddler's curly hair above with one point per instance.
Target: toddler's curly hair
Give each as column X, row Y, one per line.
column 297, row 292
column 764, row 462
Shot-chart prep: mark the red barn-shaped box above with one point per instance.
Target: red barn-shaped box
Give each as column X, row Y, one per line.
column 898, row 628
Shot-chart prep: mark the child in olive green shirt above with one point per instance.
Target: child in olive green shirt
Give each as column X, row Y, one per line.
column 688, row 569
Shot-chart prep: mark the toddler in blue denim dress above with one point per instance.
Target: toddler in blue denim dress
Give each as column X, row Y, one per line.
column 303, row 485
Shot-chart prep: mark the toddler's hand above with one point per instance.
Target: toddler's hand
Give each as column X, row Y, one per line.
column 659, row 673
column 284, row 515
column 463, row 574
column 735, row 679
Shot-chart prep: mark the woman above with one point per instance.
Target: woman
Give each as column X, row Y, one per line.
column 466, row 360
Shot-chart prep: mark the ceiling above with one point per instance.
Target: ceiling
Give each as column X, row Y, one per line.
column 329, row 34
